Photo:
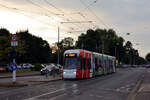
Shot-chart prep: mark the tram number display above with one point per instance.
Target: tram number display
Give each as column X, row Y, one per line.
column 71, row 55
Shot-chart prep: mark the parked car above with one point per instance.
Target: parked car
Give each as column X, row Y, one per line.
column 2, row 68
column 50, row 69
column 25, row 66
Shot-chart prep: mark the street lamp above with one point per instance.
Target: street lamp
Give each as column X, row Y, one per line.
column 116, row 54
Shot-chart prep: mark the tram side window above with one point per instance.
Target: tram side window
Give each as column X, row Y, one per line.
column 89, row 63
column 96, row 64
column 83, row 63
column 79, row 64
column 100, row 61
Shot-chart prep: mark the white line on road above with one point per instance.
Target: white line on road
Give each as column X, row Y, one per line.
column 35, row 97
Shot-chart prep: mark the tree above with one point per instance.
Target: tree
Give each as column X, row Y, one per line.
column 36, row 49
column 65, row 44
column 4, row 49
column 128, row 45
column 148, row 57
column 90, row 41
column 4, row 32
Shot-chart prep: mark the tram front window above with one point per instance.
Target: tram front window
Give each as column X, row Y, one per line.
column 71, row 63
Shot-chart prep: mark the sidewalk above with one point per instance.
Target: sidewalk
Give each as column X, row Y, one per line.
column 9, row 75
column 143, row 92
column 42, row 79
column 35, row 78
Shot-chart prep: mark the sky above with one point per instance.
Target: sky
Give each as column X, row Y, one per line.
column 43, row 17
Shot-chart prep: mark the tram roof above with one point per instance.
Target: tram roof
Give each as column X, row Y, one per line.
column 77, row 51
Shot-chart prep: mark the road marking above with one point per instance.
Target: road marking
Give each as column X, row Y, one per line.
column 133, row 93
column 141, row 89
column 58, row 96
column 35, row 97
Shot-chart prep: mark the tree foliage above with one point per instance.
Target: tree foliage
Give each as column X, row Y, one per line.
column 63, row 45
column 30, row 49
column 36, row 49
column 107, row 42
column 33, row 49
column 148, row 57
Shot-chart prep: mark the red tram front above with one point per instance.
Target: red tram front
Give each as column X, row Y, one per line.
column 77, row 64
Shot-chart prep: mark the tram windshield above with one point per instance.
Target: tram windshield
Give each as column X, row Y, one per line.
column 71, row 62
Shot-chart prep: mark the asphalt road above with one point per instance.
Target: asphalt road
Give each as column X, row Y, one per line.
column 115, row 86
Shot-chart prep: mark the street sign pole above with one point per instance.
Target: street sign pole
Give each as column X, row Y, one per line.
column 14, row 43
column 14, row 72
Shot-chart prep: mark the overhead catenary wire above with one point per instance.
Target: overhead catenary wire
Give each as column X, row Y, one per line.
column 93, row 13
column 58, row 15
column 37, row 5
column 52, row 5
column 28, row 16
column 86, row 7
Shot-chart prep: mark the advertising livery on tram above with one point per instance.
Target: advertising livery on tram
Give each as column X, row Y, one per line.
column 80, row 64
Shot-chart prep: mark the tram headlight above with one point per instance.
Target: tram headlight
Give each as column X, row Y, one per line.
column 64, row 72
column 74, row 72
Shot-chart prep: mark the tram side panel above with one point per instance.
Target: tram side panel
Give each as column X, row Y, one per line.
column 98, row 67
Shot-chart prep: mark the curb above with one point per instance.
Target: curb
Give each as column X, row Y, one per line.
column 46, row 80
column 10, row 76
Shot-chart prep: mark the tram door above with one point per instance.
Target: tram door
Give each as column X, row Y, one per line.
column 85, row 62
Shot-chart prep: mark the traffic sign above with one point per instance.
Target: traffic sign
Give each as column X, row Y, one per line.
column 14, row 43
column 14, row 37
column 13, row 66
column 14, row 40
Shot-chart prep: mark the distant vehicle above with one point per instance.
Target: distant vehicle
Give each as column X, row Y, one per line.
column 124, row 66
column 147, row 66
column 19, row 67
column 80, row 64
column 50, row 69
column 2, row 68
column 26, row 66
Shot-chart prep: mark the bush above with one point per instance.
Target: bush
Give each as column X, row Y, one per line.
column 37, row 67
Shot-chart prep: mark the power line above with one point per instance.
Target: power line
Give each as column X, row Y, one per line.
column 100, row 20
column 61, row 11
column 84, row 17
column 87, row 6
column 46, row 9
column 37, row 5
column 53, row 6
column 18, row 11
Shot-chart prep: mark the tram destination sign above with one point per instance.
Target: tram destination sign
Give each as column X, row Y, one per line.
column 71, row 55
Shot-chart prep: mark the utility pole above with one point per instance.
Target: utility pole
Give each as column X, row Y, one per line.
column 58, row 46
column 102, row 47
column 115, row 52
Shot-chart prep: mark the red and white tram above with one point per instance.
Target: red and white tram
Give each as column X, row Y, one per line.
column 80, row 64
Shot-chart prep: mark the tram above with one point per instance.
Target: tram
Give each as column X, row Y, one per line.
column 79, row 64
